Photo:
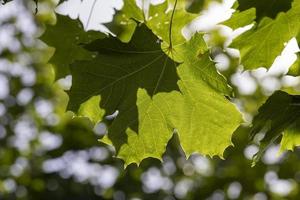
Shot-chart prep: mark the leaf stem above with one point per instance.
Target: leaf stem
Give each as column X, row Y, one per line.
column 90, row 15
column 143, row 11
column 36, row 6
column 171, row 25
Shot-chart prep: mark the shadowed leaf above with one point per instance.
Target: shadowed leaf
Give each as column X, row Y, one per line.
column 67, row 37
column 279, row 112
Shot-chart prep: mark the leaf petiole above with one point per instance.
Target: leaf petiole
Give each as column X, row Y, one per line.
column 170, row 27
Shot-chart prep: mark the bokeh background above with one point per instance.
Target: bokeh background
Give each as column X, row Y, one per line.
column 47, row 153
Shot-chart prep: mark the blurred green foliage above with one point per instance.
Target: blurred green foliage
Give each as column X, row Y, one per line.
column 80, row 168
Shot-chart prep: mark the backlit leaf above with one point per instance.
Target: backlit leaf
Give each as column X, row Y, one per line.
column 155, row 97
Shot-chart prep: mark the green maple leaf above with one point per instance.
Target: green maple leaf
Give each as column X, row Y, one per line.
column 280, row 114
column 262, row 44
column 154, row 96
column 128, row 76
column 67, row 37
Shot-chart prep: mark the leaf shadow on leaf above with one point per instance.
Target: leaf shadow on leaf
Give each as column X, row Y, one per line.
column 68, row 37
column 117, row 73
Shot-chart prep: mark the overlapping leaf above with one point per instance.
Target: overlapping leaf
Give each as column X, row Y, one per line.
column 157, row 19
column 154, row 96
column 67, row 36
column 279, row 115
column 240, row 19
column 260, row 46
